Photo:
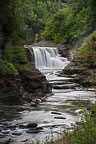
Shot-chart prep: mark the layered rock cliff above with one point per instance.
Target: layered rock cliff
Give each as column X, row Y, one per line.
column 83, row 66
column 23, row 87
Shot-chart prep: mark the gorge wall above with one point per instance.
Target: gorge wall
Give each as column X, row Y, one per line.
column 23, row 87
column 83, row 65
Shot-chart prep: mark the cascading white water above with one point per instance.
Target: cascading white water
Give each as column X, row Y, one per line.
column 48, row 58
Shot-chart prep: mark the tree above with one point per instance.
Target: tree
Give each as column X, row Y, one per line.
column 92, row 5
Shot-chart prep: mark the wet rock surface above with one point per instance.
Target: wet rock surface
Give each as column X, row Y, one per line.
column 4, row 140
column 34, row 81
column 30, row 54
column 67, row 86
column 45, row 115
column 11, row 90
column 32, row 125
column 84, row 76
column 59, row 118
column 35, row 130
column 57, row 113
column 25, row 86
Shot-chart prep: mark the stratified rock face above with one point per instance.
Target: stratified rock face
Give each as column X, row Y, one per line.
column 83, row 66
column 30, row 54
column 72, row 69
column 80, row 74
column 35, row 82
column 23, row 87
column 11, row 90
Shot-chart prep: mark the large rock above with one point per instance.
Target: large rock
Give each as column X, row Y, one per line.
column 11, row 90
column 83, row 65
column 32, row 125
column 80, row 74
column 73, row 69
column 34, row 81
column 30, row 54
column 23, row 87
column 4, row 140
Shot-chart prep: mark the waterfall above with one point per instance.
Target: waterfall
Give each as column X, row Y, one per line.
column 48, row 58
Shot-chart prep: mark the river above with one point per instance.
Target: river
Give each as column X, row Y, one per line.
column 53, row 114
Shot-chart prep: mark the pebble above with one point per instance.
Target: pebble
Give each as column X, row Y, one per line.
column 59, row 118
column 17, row 133
column 32, row 125
column 33, row 131
column 57, row 113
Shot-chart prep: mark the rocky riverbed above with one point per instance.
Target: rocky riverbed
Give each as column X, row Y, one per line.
column 42, row 117
column 46, row 117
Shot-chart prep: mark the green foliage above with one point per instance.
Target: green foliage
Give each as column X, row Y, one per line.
column 85, row 132
column 63, row 21
column 7, row 68
column 93, row 113
column 36, row 37
column 88, row 51
column 92, row 4
column 71, row 23
column 24, row 67
column 37, row 13
column 14, row 30
column 15, row 54
column 11, row 16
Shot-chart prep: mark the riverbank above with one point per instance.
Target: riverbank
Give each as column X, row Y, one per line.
column 27, row 82
column 84, row 133
column 82, row 70
column 24, row 86
column 82, row 75
column 50, row 114
column 83, row 65
column 46, row 116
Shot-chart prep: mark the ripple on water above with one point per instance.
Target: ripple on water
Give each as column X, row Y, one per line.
column 70, row 103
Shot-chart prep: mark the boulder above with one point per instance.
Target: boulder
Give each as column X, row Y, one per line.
column 80, row 74
column 11, row 90
column 56, row 113
column 34, row 81
column 23, row 87
column 32, row 125
column 30, row 54
column 59, row 117
column 35, row 130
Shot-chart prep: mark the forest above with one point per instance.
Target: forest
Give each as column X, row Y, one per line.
column 61, row 21
column 24, row 22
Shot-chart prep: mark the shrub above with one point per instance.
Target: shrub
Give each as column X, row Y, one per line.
column 15, row 54
column 7, row 68
column 88, row 51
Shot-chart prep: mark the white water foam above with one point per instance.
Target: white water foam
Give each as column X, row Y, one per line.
column 48, row 58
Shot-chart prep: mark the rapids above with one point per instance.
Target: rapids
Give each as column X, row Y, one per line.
column 53, row 114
